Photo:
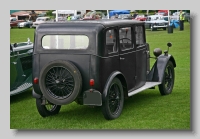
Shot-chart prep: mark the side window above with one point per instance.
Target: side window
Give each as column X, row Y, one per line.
column 125, row 38
column 139, row 33
column 111, row 43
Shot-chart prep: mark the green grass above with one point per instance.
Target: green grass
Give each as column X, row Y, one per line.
column 146, row 110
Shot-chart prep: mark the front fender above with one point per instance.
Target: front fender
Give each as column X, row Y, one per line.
column 157, row 72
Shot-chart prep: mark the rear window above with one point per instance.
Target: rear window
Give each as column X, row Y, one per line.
column 65, row 42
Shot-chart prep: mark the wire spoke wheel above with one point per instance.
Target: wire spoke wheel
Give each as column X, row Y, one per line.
column 59, row 82
column 113, row 101
column 46, row 108
column 168, row 80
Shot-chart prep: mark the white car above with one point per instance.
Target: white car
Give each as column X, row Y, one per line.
column 27, row 24
column 40, row 20
column 155, row 22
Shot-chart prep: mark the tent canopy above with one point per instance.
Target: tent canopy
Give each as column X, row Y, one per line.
column 111, row 13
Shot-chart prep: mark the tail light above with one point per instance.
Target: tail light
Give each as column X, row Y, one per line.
column 91, row 82
column 36, row 80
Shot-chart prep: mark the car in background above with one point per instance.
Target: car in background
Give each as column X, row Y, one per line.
column 93, row 15
column 41, row 20
column 20, row 67
column 141, row 18
column 155, row 22
column 61, row 19
column 125, row 16
column 27, row 24
column 14, row 22
column 76, row 17
column 187, row 17
column 162, row 12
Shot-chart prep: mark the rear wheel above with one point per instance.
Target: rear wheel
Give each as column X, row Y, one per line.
column 113, row 101
column 168, row 80
column 45, row 108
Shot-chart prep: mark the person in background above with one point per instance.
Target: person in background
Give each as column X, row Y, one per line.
column 69, row 17
column 181, row 20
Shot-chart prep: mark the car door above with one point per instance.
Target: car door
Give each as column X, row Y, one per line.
column 15, row 69
column 127, row 55
column 20, row 66
column 141, row 56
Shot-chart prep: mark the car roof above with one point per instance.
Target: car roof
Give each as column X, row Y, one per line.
column 104, row 22
column 85, row 25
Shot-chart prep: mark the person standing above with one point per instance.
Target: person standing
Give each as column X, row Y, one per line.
column 69, row 17
column 181, row 20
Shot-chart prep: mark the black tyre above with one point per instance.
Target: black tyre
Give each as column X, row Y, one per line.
column 164, row 28
column 114, row 100
column 60, row 82
column 47, row 109
column 168, row 80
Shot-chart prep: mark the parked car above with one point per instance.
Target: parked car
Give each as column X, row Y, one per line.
column 155, row 22
column 125, row 16
column 77, row 17
column 93, row 15
column 20, row 67
column 187, row 17
column 96, row 63
column 62, row 19
column 27, row 24
column 41, row 20
column 141, row 18
column 14, row 22
column 162, row 12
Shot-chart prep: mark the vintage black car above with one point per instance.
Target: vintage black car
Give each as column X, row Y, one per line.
column 20, row 67
column 96, row 63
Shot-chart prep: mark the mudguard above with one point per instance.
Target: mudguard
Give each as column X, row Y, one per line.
column 111, row 77
column 157, row 72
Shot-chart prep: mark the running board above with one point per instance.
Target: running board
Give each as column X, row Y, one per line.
column 21, row 89
column 144, row 87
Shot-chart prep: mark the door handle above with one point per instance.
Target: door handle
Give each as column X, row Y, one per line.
column 121, row 58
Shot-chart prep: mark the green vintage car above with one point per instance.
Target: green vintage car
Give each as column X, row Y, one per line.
column 20, row 67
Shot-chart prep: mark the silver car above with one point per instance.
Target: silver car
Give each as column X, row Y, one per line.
column 40, row 20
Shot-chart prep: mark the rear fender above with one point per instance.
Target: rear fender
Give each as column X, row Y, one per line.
column 121, row 77
column 157, row 72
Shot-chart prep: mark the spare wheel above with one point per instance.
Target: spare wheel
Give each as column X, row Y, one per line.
column 60, row 82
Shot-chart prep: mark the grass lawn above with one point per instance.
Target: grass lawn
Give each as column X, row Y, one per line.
column 146, row 110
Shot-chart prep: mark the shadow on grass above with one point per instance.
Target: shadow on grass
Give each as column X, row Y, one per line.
column 94, row 114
